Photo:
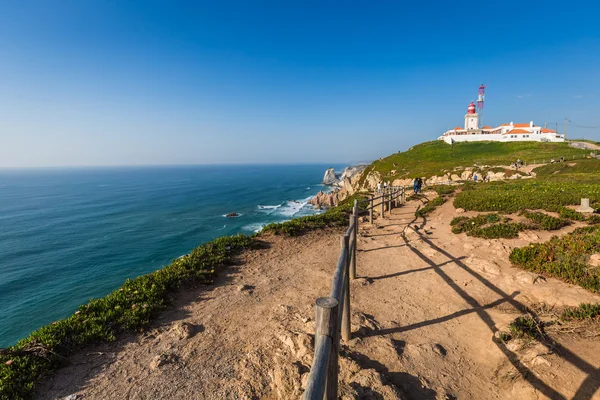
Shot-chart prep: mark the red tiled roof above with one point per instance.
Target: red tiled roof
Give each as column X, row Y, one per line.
column 521, row 125
column 458, row 128
column 546, row 130
column 517, row 131
column 487, row 127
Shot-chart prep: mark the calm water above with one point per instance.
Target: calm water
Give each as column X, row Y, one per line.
column 69, row 235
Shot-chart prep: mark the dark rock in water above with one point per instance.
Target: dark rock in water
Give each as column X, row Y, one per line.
column 233, row 214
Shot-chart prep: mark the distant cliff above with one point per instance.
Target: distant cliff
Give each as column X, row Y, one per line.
column 345, row 185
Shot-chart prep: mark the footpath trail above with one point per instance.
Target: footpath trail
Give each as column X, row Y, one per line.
column 425, row 309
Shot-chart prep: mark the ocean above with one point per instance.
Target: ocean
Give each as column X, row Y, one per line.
column 68, row 235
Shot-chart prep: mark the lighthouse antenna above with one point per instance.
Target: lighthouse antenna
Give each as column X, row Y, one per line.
column 480, row 102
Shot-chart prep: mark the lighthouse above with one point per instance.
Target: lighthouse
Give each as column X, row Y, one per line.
column 471, row 118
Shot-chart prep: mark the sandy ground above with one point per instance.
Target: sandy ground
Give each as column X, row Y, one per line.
column 424, row 313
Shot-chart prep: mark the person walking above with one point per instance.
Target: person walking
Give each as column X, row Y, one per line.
column 416, row 185
column 379, row 187
column 475, row 177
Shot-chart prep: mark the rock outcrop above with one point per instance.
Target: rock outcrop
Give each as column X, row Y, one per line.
column 350, row 172
column 330, row 177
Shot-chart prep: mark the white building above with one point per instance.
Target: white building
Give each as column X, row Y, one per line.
column 503, row 133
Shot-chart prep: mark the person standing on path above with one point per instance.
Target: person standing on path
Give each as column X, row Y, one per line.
column 378, row 187
column 416, row 185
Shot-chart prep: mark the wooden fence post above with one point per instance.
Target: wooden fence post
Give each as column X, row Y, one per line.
column 390, row 200
column 382, row 205
column 371, row 209
column 354, row 237
column 346, row 292
column 327, row 325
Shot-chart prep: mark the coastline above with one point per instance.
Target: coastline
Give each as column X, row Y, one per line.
column 133, row 305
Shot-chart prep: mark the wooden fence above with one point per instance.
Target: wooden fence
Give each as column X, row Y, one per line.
column 333, row 312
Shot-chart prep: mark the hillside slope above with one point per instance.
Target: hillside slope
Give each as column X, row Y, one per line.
column 437, row 158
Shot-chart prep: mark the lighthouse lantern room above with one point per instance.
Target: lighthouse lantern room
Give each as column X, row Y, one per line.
column 471, row 118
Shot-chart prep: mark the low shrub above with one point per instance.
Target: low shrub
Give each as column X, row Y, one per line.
column 584, row 311
column 498, row 231
column 546, row 222
column 567, row 213
column 565, row 258
column 466, row 224
column 444, row 189
column 430, row 207
column 522, row 195
column 527, row 327
column 593, row 219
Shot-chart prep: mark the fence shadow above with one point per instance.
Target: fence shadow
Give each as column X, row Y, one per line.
column 590, row 384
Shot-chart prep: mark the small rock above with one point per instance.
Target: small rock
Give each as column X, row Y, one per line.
column 242, row 288
column 163, row 359
column 183, row 330
column 460, row 210
column 595, row 260
column 439, row 349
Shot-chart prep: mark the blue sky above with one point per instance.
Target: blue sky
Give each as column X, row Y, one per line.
column 117, row 83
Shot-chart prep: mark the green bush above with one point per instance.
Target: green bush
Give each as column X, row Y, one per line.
column 567, row 213
column 584, row 311
column 444, row 189
column 522, row 195
column 128, row 308
column 430, row 207
column 498, row 231
column 527, row 327
column 565, row 258
column 546, row 222
column 593, row 219
column 466, row 224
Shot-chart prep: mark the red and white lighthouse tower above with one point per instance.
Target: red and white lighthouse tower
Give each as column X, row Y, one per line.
column 471, row 118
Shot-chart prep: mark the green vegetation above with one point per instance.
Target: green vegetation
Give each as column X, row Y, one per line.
column 593, row 219
column 546, row 222
column 573, row 215
column 565, row 258
column 443, row 190
column 583, row 312
column 529, row 194
column 430, row 207
column 570, row 171
column 335, row 216
column 488, row 226
column 437, row 157
column 526, row 327
column 129, row 308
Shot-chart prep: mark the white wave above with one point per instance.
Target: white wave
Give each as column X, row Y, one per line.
column 256, row 227
column 291, row 208
column 268, row 207
column 220, row 229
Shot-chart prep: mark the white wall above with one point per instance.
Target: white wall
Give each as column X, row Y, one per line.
column 471, row 121
column 479, row 137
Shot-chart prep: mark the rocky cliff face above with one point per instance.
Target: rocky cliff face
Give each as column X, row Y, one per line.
column 330, row 177
column 346, row 185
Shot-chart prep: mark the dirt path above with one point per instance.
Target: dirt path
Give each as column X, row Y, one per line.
column 424, row 314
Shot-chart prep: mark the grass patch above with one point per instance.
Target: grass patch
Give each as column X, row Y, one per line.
column 487, row 226
column 130, row 307
column 430, row 207
column 438, row 158
column 573, row 215
column 583, row 312
column 546, row 222
column 565, row 258
column 593, row 219
column 514, row 196
column 443, row 190
column 527, row 327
